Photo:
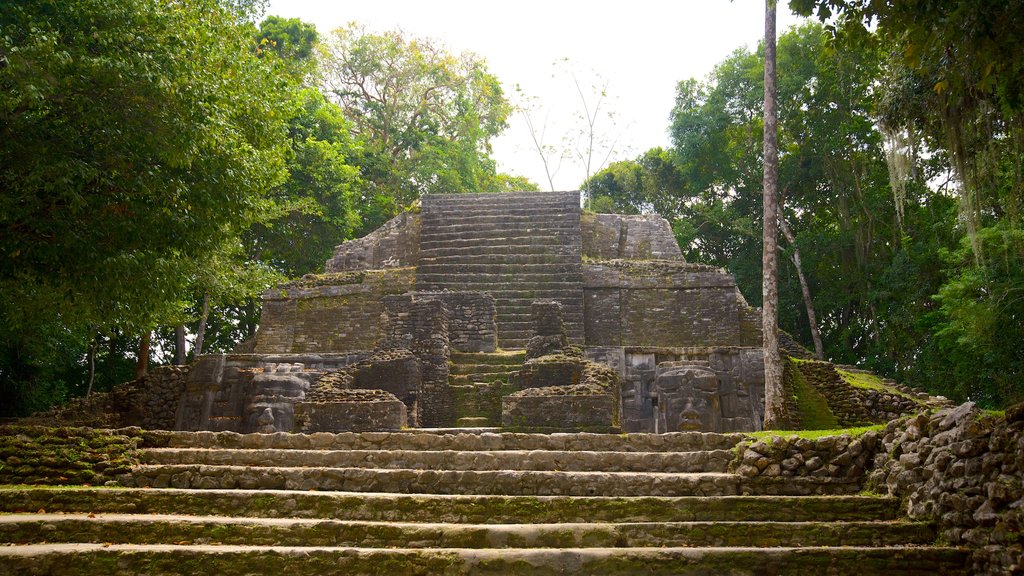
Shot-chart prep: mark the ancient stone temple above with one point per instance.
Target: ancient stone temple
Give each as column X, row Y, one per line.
column 480, row 310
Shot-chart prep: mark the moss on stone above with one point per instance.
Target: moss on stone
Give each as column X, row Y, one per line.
column 813, row 408
column 815, row 434
column 867, row 381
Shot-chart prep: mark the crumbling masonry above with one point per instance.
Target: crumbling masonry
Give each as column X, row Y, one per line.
column 423, row 323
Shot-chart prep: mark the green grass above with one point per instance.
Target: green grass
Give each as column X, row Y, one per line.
column 812, row 405
column 870, row 382
column 815, row 434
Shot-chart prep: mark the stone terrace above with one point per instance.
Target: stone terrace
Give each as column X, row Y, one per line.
column 440, row 502
column 521, row 247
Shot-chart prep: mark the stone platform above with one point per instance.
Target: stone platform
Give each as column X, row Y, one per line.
column 446, row 502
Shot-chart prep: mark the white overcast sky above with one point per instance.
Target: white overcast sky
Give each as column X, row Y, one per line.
column 642, row 48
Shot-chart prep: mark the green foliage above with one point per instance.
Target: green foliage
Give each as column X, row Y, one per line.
column 290, row 38
column 954, row 79
column 317, row 203
column 423, row 117
column 885, row 295
column 137, row 141
column 979, row 324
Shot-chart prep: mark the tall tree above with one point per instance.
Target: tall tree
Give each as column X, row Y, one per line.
column 425, row 117
column 774, row 398
column 131, row 145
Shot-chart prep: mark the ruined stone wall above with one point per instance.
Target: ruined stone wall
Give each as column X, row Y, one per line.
column 471, row 319
column 393, row 245
column 962, row 469
column 421, row 326
column 855, row 406
column 617, row 236
column 959, row 468
column 660, row 303
column 65, row 456
column 736, row 405
column 328, row 312
column 239, row 392
column 149, row 402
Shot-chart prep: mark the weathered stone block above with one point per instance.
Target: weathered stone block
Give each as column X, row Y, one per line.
column 353, row 411
column 541, row 408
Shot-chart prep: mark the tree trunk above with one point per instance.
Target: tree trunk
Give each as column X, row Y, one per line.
column 812, row 319
column 142, row 366
column 93, row 344
column 774, row 398
column 201, row 331
column 180, row 353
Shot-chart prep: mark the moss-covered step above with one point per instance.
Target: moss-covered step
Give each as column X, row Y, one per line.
column 413, row 481
column 511, row 482
column 702, row 461
column 450, row 440
column 162, row 529
column 91, row 559
column 448, row 508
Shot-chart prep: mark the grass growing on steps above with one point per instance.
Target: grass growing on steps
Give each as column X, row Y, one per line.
column 812, row 405
column 815, row 434
column 869, row 382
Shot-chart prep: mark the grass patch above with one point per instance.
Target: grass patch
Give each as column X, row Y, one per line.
column 812, row 405
column 870, row 382
column 815, row 434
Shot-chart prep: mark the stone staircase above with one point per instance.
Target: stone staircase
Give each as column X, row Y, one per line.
column 520, row 247
column 444, row 502
column 478, row 380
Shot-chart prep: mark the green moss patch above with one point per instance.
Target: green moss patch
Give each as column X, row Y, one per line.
column 814, row 412
column 45, row 455
column 868, row 381
column 815, row 434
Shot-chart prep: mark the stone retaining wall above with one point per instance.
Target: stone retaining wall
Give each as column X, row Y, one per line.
column 843, row 457
column 637, row 237
column 149, row 402
column 328, row 312
column 963, row 469
column 64, row 456
column 663, row 303
column 960, row 468
column 393, row 245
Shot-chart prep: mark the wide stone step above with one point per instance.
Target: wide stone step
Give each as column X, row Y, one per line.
column 509, row 357
column 517, row 300
column 526, row 270
column 519, row 326
column 550, row 290
column 532, row 217
column 460, row 441
column 197, row 530
column 539, row 460
column 558, row 243
column 461, row 368
column 461, row 250
column 504, row 259
column 495, row 236
column 481, row 377
column 563, row 274
column 66, row 559
column 519, row 313
column 477, row 509
column 503, row 482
